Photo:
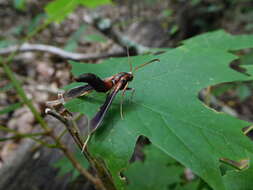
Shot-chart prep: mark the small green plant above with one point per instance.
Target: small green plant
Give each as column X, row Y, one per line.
column 19, row 4
column 57, row 10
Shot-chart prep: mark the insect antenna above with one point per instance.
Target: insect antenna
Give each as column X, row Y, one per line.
column 124, row 90
column 129, row 61
column 144, row 64
column 85, row 143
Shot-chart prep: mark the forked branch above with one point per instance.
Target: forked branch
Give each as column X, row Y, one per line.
column 103, row 174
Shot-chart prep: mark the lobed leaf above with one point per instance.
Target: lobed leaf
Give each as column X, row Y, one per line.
column 158, row 171
column 243, row 180
column 166, row 109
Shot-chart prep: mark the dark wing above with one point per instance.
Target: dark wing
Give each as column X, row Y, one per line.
column 77, row 91
column 69, row 94
column 98, row 118
column 93, row 80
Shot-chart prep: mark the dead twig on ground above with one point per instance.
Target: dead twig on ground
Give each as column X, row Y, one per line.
column 26, row 47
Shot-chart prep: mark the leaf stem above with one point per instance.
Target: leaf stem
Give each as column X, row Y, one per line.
column 6, row 129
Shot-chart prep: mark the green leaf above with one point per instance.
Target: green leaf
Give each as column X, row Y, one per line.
column 167, row 12
column 10, row 108
column 94, row 3
column 166, row 109
column 243, row 91
column 95, row 38
column 195, row 2
column 157, row 172
column 247, row 59
column 35, row 22
column 72, row 42
column 174, row 29
column 20, row 4
column 57, row 10
column 190, row 186
column 240, row 180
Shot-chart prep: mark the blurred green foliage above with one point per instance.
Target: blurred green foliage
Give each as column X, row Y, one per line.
column 10, row 108
column 57, row 10
column 20, row 4
column 72, row 42
column 94, row 38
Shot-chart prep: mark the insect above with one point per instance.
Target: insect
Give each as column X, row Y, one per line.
column 112, row 84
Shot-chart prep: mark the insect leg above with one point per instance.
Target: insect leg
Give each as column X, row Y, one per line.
column 86, row 142
column 132, row 92
column 121, row 102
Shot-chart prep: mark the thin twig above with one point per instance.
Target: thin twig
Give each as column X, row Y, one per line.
column 70, row 126
column 62, row 134
column 22, row 135
column 84, row 172
column 41, row 142
column 58, row 52
column 102, row 172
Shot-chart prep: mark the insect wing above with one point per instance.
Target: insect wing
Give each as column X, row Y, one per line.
column 77, row 91
column 93, row 80
column 98, row 118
